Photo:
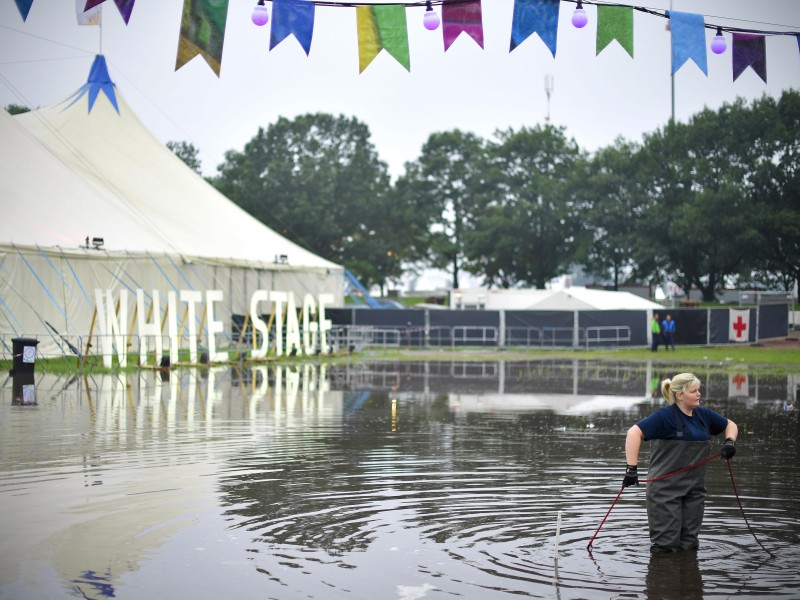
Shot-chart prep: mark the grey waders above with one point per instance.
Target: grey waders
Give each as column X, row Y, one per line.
column 675, row 504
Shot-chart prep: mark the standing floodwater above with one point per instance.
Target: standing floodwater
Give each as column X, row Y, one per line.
column 381, row 481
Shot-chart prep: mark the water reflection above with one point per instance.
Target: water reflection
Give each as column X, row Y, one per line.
column 385, row 480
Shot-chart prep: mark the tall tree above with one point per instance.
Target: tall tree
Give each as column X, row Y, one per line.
column 776, row 188
column 318, row 180
column 445, row 179
column 699, row 226
column 610, row 192
column 527, row 228
column 187, row 152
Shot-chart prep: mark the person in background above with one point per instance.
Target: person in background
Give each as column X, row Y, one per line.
column 679, row 435
column 655, row 330
column 668, row 332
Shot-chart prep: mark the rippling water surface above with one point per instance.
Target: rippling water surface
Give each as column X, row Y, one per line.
column 406, row 481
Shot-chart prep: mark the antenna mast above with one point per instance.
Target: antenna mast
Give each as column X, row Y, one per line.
column 548, row 90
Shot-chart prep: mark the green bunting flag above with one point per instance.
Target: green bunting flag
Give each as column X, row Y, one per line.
column 202, row 32
column 615, row 23
column 382, row 28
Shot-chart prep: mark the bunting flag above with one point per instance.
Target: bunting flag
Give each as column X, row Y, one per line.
column 202, row 32
column 688, row 40
column 535, row 16
column 382, row 28
column 99, row 81
column 91, row 16
column 292, row 17
column 462, row 17
column 125, row 7
column 749, row 51
column 615, row 23
column 739, row 330
column 738, row 385
column 24, row 7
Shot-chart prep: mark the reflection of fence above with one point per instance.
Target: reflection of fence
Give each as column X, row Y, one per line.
column 607, row 336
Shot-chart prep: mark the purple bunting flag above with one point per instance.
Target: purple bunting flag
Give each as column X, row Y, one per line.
column 535, row 16
column 749, row 51
column 292, row 17
column 125, row 7
column 688, row 40
column 463, row 17
column 24, row 7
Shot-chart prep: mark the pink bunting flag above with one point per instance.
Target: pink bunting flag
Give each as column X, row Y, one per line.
column 462, row 17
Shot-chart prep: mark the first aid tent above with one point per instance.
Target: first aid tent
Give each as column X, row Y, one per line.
column 91, row 200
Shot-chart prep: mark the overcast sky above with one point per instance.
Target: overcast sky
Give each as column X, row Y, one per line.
column 596, row 98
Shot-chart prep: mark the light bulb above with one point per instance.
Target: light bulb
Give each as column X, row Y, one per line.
column 718, row 44
column 260, row 14
column 579, row 17
column 431, row 18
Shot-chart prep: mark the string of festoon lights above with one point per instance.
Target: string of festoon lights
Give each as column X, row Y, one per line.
column 580, row 18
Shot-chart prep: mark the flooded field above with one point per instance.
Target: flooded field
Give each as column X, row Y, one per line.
column 381, row 481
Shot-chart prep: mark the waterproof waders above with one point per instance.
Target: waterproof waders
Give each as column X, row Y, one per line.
column 675, row 504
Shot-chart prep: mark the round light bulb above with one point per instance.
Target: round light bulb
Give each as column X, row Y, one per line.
column 430, row 20
column 718, row 44
column 579, row 17
column 260, row 14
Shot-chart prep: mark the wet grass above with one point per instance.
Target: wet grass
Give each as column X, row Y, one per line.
column 683, row 358
column 720, row 356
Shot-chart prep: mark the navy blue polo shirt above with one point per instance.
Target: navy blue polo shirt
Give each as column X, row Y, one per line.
column 699, row 427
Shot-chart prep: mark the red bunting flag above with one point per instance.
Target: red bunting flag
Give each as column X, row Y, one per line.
column 462, row 17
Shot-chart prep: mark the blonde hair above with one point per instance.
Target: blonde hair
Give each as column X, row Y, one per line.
column 679, row 383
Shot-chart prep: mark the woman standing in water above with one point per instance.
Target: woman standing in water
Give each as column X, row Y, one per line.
column 679, row 436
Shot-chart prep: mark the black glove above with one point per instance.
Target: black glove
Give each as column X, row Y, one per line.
column 631, row 476
column 728, row 448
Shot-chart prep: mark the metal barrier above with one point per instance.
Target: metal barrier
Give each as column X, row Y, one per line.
column 351, row 338
column 560, row 336
column 523, row 336
column 610, row 335
column 464, row 335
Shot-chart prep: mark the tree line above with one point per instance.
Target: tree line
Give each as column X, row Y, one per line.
column 706, row 203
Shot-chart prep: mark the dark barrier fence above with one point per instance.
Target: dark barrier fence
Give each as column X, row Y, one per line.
column 572, row 329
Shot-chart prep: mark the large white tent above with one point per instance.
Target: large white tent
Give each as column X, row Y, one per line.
column 91, row 200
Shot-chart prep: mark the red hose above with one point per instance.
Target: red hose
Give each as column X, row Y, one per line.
column 702, row 462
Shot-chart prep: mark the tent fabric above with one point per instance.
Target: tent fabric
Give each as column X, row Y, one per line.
column 68, row 174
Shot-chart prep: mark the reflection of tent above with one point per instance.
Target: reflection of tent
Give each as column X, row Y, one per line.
column 574, row 298
column 562, row 404
column 84, row 170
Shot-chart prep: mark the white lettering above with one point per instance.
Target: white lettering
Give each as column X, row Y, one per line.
column 214, row 327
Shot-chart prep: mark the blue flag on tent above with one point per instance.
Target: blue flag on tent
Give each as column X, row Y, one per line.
column 99, row 81
column 535, row 16
column 688, row 40
column 292, row 17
